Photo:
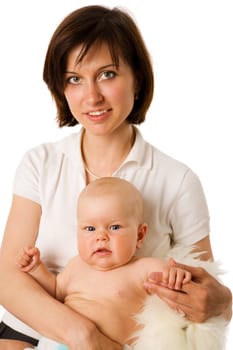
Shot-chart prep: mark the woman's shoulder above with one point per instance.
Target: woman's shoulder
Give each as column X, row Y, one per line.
column 174, row 173
column 158, row 160
column 65, row 146
column 168, row 162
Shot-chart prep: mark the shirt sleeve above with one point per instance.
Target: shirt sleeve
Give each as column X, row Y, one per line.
column 27, row 177
column 190, row 216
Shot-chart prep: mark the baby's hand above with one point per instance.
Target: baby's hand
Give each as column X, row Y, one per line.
column 28, row 259
column 176, row 277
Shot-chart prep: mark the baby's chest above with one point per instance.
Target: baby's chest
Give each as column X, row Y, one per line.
column 119, row 293
column 112, row 286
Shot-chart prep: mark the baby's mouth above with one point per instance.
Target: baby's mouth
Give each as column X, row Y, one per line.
column 102, row 251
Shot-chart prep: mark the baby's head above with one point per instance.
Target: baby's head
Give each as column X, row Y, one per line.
column 110, row 222
column 115, row 189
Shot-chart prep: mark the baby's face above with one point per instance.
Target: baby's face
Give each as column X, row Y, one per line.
column 107, row 230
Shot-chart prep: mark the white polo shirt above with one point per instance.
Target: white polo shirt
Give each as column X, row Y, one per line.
column 53, row 175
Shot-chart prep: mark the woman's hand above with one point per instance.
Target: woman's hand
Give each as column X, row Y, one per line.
column 92, row 339
column 200, row 299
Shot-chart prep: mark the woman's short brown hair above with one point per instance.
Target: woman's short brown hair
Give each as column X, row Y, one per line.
column 94, row 25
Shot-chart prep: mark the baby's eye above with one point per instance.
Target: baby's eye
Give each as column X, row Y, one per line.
column 115, row 227
column 107, row 75
column 90, row 228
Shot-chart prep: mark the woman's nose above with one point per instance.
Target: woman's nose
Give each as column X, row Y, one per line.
column 93, row 93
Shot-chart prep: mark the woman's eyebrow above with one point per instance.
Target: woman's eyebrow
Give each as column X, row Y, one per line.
column 100, row 68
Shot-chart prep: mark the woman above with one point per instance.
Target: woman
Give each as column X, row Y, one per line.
column 99, row 73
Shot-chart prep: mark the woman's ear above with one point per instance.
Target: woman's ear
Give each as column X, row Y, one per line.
column 142, row 229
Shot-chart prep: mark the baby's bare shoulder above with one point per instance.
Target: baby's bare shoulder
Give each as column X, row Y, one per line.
column 151, row 264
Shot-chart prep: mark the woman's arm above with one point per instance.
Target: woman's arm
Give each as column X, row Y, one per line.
column 19, row 292
column 204, row 296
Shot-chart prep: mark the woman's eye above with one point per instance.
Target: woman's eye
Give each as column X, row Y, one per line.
column 107, row 75
column 74, row 80
column 115, row 227
column 90, row 228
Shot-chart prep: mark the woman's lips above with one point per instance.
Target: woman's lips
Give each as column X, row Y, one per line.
column 98, row 115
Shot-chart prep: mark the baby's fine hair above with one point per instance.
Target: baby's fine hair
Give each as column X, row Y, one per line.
column 93, row 26
column 120, row 187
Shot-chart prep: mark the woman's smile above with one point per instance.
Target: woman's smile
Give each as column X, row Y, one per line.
column 99, row 116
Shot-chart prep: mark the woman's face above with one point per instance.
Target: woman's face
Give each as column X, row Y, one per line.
column 100, row 95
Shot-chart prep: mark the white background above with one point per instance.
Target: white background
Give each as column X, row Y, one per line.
column 191, row 43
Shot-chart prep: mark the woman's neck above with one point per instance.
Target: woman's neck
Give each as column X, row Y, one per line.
column 102, row 155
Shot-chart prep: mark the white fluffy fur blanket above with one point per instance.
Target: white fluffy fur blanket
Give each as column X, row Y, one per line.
column 165, row 329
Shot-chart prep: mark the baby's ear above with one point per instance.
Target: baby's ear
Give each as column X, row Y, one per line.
column 142, row 229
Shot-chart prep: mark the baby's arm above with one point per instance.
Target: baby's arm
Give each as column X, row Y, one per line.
column 29, row 261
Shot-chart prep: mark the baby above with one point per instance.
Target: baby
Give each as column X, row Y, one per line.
column 105, row 281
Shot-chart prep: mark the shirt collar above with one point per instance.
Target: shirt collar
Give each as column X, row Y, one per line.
column 141, row 152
